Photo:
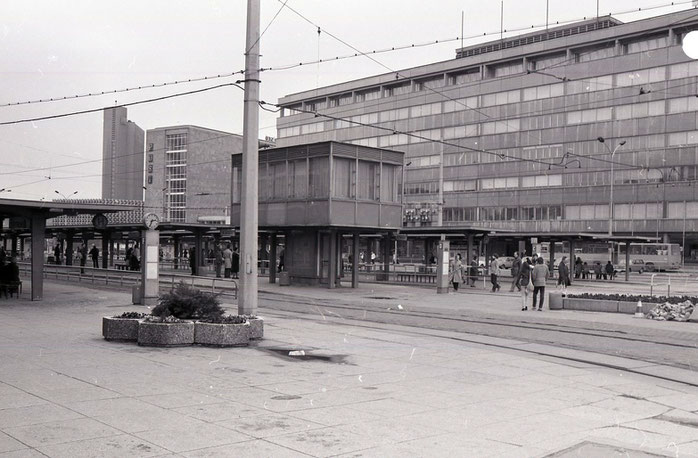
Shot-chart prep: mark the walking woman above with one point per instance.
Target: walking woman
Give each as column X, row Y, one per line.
column 524, row 281
column 539, row 275
column 456, row 272
column 563, row 274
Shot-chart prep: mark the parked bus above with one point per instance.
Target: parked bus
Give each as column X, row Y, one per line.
column 650, row 257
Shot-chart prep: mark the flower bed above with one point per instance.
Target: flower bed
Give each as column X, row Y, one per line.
column 123, row 327
column 228, row 331
column 635, row 297
column 614, row 303
column 165, row 332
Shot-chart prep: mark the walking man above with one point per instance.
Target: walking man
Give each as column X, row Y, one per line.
column 563, row 274
column 515, row 268
column 94, row 254
column 494, row 273
column 539, row 276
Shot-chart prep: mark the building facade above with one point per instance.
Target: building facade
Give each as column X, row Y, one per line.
column 508, row 134
column 122, row 156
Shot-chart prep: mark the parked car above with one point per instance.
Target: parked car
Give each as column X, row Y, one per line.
column 636, row 265
column 505, row 262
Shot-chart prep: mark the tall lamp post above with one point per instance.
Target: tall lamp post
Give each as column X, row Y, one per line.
column 610, row 205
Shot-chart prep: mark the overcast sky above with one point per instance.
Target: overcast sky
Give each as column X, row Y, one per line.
column 60, row 48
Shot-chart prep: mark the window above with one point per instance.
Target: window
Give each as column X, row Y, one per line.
column 237, row 185
column 460, row 131
column 150, row 157
column 150, row 179
column 460, row 104
column 316, row 105
column 501, row 98
column 683, row 138
column 369, row 94
column 339, row 100
column 543, row 62
column 425, row 110
column 683, row 104
column 388, row 187
column 596, row 52
column 319, row 177
column 277, row 177
column 464, row 77
column 367, row 180
column 344, row 171
column 509, row 68
column 298, row 176
column 501, row 127
column 427, row 83
column 394, row 115
column 684, row 70
column 396, row 89
column 537, row 181
column 176, row 142
column 312, row 128
column 460, row 185
column 646, row 44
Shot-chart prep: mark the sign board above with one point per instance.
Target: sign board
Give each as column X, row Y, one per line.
column 19, row 223
column 534, row 240
column 134, row 235
column 227, row 232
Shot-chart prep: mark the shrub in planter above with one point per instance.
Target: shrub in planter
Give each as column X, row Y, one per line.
column 188, row 303
column 225, row 331
column 122, row 327
column 165, row 332
column 635, row 297
column 256, row 326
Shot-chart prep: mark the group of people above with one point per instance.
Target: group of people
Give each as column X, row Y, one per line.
column 227, row 260
column 583, row 271
column 9, row 273
column 458, row 272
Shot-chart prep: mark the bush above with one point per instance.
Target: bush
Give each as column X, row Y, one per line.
column 186, row 302
column 163, row 319
column 636, row 297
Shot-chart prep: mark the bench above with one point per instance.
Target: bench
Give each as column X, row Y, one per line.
column 121, row 266
column 13, row 287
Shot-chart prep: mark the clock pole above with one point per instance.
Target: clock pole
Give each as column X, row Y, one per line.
column 150, row 258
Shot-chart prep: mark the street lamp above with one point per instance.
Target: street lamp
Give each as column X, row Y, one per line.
column 610, row 205
column 64, row 196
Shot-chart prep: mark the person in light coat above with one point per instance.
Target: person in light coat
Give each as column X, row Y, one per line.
column 456, row 272
column 539, row 276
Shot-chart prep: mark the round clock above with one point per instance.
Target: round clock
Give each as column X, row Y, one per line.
column 151, row 220
column 99, row 221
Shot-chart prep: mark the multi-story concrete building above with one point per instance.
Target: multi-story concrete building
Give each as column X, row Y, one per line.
column 188, row 175
column 122, row 156
column 507, row 134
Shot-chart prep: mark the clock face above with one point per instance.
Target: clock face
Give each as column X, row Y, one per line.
column 99, row 221
column 151, row 220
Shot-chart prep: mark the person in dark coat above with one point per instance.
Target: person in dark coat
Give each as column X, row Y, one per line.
column 192, row 260
column 597, row 270
column 94, row 254
column 610, row 271
column 57, row 254
column 524, row 278
column 236, row 263
column 217, row 260
column 473, row 272
column 83, row 257
column 563, row 274
column 515, row 268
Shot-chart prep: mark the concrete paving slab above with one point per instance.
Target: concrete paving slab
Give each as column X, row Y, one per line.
column 58, row 432
column 190, row 435
column 35, row 414
column 109, row 447
column 218, row 412
column 25, row 453
column 270, row 425
column 324, row 442
column 249, row 449
column 8, row 444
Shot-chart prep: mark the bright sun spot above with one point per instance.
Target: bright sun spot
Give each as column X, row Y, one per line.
column 690, row 44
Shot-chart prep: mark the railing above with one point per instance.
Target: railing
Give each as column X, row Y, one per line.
column 112, row 277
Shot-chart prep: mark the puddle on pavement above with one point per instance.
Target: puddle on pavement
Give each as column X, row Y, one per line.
column 306, row 356
column 380, row 297
column 286, row 397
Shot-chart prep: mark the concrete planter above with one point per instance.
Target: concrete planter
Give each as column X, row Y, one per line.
column 256, row 328
column 222, row 334
column 555, row 301
column 124, row 329
column 590, row 305
column 151, row 334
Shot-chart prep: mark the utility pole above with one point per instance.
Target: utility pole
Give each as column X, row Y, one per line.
column 247, row 301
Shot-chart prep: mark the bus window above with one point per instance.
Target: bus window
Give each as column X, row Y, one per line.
column 636, row 249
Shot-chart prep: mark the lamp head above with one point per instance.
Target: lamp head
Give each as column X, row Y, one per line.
column 622, row 143
column 601, row 139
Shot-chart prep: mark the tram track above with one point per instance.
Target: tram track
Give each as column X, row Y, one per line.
column 654, row 350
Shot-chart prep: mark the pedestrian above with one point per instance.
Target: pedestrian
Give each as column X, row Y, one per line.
column 235, row 263
column 94, row 254
column 539, row 276
column 597, row 270
column 609, row 271
column 515, row 268
column 281, row 260
column 524, row 282
column 83, row 257
column 473, row 272
column 217, row 259
column 578, row 268
column 192, row 260
column 456, row 272
column 586, row 273
column 494, row 273
column 563, row 274
column 228, row 261
column 57, row 254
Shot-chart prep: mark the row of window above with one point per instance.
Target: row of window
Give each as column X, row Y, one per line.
column 309, row 178
column 634, row 211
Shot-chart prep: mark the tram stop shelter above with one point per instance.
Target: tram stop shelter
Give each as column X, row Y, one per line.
column 31, row 214
column 573, row 237
column 317, row 193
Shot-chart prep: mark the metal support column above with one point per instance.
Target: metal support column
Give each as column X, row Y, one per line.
column 469, row 256
column 272, row 258
column 332, row 267
column 38, row 222
column 199, row 260
column 106, row 236
column 386, row 256
column 627, row 261
column 69, row 247
column 355, row 260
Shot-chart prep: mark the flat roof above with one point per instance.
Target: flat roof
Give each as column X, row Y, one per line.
column 25, row 208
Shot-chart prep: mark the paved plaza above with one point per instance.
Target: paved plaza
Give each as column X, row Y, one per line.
column 362, row 389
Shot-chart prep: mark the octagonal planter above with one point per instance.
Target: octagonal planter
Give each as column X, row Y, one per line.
column 153, row 334
column 256, row 328
column 120, row 329
column 222, row 334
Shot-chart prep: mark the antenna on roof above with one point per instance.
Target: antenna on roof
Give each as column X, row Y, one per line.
column 501, row 22
column 547, row 10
